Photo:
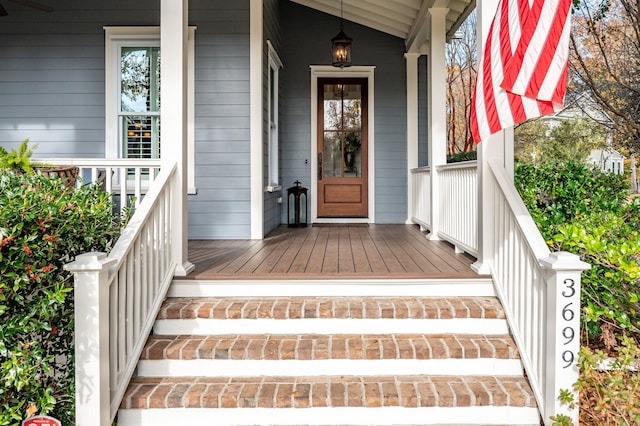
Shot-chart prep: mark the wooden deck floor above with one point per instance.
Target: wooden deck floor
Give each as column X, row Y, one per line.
column 346, row 252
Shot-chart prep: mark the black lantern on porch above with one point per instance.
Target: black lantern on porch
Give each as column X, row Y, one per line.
column 341, row 46
column 296, row 216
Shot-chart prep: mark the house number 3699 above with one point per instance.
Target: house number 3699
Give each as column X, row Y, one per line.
column 568, row 314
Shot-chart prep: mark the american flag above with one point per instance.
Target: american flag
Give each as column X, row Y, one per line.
column 524, row 68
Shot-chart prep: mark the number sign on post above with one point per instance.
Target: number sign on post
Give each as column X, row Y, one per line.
column 563, row 330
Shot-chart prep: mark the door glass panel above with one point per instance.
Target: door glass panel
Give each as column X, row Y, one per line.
column 352, row 154
column 352, row 107
column 342, row 130
column 332, row 154
column 332, row 106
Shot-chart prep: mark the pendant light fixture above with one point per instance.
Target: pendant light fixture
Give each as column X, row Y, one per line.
column 341, row 45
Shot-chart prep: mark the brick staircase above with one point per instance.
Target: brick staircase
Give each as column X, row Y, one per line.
column 330, row 353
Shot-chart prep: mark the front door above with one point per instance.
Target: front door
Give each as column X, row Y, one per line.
column 342, row 147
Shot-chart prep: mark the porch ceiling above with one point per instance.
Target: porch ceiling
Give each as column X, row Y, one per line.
column 407, row 19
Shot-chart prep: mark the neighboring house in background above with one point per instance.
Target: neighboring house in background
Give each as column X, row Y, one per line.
column 608, row 160
column 584, row 107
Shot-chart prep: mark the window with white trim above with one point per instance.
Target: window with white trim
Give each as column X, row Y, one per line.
column 132, row 67
column 273, row 146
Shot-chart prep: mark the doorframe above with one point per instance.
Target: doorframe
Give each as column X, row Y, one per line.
column 328, row 71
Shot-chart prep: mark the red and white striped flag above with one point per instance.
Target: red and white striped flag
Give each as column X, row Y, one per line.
column 524, row 68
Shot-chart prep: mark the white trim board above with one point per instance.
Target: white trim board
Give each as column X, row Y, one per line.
column 331, row 367
column 487, row 415
column 204, row 326
column 335, row 288
column 256, row 104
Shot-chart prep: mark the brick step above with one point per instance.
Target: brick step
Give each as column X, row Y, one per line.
column 329, row 400
column 332, row 307
column 326, row 315
column 291, row 355
column 323, row 347
column 329, row 358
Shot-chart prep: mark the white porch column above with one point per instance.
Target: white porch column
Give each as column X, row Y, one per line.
column 173, row 116
column 498, row 146
column 255, row 90
column 412, row 126
column 437, row 106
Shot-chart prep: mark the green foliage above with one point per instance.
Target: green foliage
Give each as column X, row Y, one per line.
column 609, row 389
column 18, row 161
column 43, row 225
column 572, row 139
column 585, row 211
column 462, row 156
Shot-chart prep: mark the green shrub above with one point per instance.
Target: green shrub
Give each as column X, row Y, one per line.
column 462, row 156
column 17, row 160
column 585, row 211
column 608, row 388
column 43, row 225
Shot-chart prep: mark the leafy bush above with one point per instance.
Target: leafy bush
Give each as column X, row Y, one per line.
column 43, row 225
column 462, row 156
column 17, row 160
column 608, row 388
column 584, row 211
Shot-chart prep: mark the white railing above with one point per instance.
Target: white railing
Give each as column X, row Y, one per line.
column 111, row 173
column 117, row 298
column 540, row 292
column 459, row 205
column 421, row 209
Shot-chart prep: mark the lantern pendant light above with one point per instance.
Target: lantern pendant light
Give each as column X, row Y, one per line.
column 341, row 45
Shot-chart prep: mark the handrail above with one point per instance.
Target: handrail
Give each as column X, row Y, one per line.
column 470, row 164
column 142, row 251
column 540, row 294
column 534, row 239
column 121, row 177
column 136, row 275
column 101, row 162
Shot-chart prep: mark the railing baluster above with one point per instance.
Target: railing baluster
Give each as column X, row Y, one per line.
column 135, row 285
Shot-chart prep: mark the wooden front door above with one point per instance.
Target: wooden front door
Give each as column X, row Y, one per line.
column 342, row 147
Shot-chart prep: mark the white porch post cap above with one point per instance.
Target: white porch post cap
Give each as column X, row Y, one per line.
column 89, row 262
column 564, row 261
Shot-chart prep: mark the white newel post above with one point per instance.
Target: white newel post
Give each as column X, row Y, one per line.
column 91, row 298
column 437, row 95
column 563, row 272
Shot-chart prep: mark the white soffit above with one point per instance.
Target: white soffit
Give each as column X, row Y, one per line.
column 406, row 19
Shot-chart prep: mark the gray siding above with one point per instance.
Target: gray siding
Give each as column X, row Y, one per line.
column 307, row 40
column 52, row 73
column 222, row 206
